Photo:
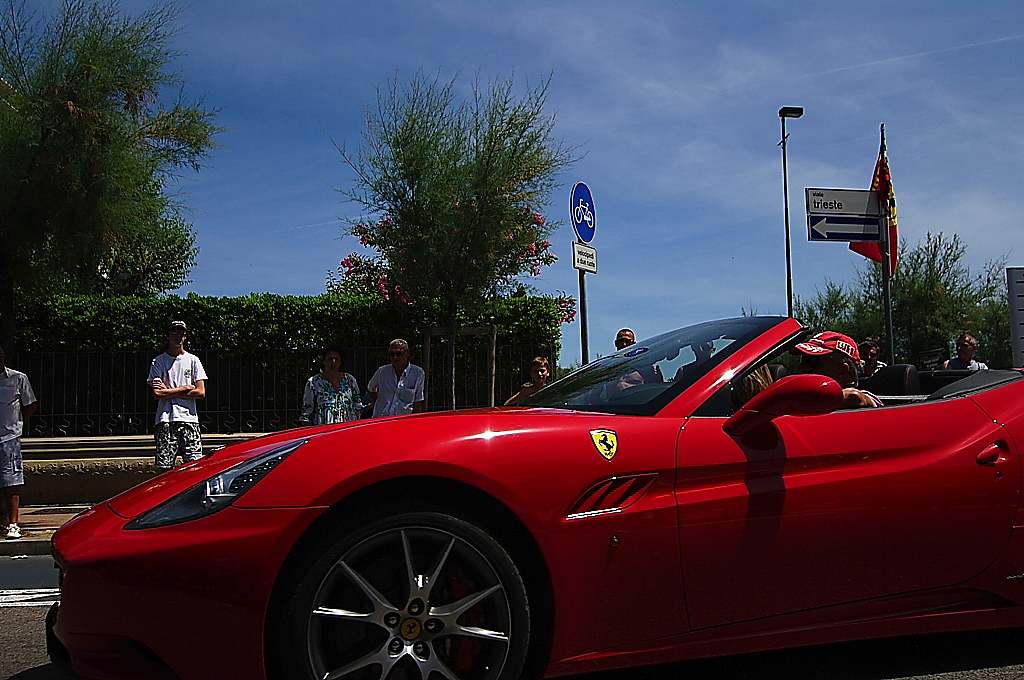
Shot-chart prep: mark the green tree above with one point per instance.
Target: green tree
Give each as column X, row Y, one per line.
column 935, row 296
column 453, row 193
column 86, row 148
column 143, row 260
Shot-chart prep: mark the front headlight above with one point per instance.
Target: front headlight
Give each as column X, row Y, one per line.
column 215, row 493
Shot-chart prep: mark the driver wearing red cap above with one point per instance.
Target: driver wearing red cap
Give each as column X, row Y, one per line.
column 835, row 355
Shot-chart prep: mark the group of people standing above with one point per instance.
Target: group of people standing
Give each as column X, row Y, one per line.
column 177, row 379
column 332, row 396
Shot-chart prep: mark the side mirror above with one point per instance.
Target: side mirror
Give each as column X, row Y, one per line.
column 795, row 395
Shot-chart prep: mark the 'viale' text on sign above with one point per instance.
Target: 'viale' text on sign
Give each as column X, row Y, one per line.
column 841, row 202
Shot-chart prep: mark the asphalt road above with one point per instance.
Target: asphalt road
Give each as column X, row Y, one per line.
column 986, row 655
column 971, row 656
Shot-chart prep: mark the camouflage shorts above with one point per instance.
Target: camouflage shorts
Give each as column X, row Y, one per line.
column 11, row 471
column 177, row 439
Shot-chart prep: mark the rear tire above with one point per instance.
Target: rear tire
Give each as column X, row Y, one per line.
column 402, row 595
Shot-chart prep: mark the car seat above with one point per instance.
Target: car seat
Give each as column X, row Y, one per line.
column 896, row 380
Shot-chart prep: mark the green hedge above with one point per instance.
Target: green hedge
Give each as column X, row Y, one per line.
column 262, row 321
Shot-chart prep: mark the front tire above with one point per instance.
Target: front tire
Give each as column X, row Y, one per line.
column 414, row 595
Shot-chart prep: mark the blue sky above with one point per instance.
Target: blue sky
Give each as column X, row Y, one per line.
column 675, row 104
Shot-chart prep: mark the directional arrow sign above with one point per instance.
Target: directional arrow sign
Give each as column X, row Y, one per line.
column 842, row 228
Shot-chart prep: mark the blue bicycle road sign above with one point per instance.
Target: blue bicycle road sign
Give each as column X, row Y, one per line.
column 582, row 213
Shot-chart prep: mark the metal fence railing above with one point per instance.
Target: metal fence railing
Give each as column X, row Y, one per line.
column 104, row 393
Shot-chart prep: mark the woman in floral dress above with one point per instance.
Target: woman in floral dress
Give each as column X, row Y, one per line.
column 331, row 396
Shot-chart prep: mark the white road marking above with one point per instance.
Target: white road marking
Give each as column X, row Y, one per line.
column 29, row 597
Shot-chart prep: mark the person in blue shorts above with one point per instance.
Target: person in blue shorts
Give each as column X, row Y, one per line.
column 17, row 404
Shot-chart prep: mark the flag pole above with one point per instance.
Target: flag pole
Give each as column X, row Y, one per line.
column 887, row 286
column 886, row 248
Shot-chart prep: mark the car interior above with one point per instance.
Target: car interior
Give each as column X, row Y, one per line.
column 642, row 379
column 902, row 384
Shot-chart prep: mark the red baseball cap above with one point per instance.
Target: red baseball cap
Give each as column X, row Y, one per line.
column 826, row 342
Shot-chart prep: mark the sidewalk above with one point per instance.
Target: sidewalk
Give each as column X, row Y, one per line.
column 37, row 525
column 66, row 475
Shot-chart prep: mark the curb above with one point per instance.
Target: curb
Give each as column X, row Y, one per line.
column 36, row 543
column 89, row 470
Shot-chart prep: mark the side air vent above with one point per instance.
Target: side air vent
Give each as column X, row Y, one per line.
column 611, row 495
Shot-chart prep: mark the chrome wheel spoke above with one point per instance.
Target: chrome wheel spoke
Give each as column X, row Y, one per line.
column 379, row 601
column 450, row 614
column 459, row 607
column 481, row 633
column 330, row 612
column 435, row 665
column 433, row 578
column 419, row 582
column 410, row 570
column 381, row 657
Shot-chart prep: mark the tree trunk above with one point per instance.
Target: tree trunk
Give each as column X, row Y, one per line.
column 453, row 327
column 6, row 304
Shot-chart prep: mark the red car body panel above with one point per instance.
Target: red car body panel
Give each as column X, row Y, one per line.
column 195, row 595
column 863, row 508
column 840, row 526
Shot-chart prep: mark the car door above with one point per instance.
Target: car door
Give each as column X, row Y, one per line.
column 844, row 506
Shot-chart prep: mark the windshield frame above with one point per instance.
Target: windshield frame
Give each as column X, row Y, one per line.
column 569, row 392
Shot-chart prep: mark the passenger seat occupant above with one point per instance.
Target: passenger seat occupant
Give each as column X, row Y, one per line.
column 835, row 355
column 702, row 351
column 966, row 346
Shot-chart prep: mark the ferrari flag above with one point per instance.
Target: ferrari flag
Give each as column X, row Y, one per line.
column 881, row 183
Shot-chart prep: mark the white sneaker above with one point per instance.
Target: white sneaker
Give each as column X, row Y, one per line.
column 13, row 531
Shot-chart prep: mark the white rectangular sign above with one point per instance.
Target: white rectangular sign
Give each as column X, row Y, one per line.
column 1015, row 293
column 842, row 202
column 584, row 257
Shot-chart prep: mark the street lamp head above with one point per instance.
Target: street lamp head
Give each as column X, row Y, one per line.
column 791, row 112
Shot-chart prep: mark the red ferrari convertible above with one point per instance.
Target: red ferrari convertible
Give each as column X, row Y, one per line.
column 683, row 498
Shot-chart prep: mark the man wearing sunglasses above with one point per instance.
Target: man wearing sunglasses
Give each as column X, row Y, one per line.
column 397, row 387
column 836, row 356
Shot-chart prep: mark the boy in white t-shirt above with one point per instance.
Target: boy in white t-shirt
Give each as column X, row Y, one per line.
column 177, row 379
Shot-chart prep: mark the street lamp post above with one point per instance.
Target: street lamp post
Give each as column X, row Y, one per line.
column 784, row 113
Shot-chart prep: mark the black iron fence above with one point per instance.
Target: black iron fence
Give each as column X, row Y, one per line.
column 105, row 393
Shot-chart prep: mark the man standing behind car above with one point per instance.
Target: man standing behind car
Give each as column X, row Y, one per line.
column 624, row 338
column 177, row 379
column 17, row 404
column 397, row 387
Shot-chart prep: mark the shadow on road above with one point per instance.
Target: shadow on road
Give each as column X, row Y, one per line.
column 908, row 657
column 50, row 671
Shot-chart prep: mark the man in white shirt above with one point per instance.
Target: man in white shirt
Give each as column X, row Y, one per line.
column 17, row 404
column 177, row 379
column 397, row 387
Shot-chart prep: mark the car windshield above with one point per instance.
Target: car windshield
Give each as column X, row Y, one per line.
column 642, row 378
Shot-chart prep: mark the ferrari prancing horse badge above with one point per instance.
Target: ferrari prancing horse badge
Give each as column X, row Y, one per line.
column 606, row 442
